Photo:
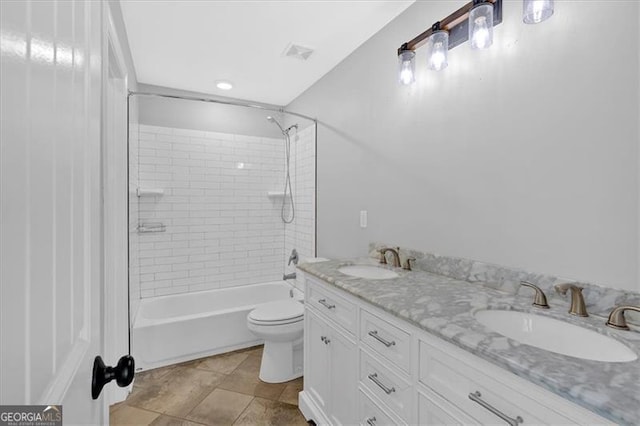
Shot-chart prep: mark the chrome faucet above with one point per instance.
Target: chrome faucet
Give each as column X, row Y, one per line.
column 540, row 300
column 578, row 307
column 394, row 252
column 616, row 317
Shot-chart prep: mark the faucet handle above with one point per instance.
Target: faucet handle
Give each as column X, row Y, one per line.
column 383, row 257
column 616, row 317
column 407, row 263
column 563, row 288
column 578, row 307
column 540, row 300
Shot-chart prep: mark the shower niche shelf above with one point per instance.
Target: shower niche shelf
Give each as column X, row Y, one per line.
column 150, row 192
column 275, row 194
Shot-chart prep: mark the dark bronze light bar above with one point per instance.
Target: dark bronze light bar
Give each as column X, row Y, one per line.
column 457, row 24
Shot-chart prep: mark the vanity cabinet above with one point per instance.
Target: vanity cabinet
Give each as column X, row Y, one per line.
column 365, row 366
column 331, row 380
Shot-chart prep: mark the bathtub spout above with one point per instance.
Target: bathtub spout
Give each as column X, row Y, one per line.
column 291, row 276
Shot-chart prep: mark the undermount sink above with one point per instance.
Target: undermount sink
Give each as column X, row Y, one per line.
column 367, row 271
column 555, row 336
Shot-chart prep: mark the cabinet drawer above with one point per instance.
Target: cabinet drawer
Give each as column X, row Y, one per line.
column 331, row 305
column 456, row 380
column 386, row 339
column 388, row 386
column 434, row 410
column 371, row 414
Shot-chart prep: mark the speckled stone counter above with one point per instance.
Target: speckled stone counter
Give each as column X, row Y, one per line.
column 445, row 306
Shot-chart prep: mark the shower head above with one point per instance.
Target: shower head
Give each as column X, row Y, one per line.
column 282, row 129
column 273, row 120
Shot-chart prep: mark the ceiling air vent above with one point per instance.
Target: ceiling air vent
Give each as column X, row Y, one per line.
column 298, row 52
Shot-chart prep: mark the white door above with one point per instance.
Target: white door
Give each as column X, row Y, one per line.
column 52, row 267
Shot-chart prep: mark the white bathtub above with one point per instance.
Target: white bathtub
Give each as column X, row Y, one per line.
column 182, row 327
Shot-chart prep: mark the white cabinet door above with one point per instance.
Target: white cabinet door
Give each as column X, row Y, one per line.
column 316, row 379
column 343, row 378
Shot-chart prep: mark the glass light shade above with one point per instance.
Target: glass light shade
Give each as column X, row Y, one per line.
column 407, row 67
column 481, row 26
column 536, row 11
column 437, row 48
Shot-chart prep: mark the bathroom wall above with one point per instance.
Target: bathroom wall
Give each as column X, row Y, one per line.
column 187, row 114
column 221, row 227
column 300, row 234
column 524, row 155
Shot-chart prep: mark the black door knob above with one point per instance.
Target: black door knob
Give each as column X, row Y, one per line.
column 102, row 374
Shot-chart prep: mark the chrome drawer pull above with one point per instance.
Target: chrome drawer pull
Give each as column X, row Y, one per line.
column 475, row 397
column 374, row 378
column 385, row 342
column 371, row 421
column 324, row 303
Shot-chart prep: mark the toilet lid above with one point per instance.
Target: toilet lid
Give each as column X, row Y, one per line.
column 277, row 311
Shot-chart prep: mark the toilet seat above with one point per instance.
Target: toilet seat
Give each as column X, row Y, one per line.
column 277, row 313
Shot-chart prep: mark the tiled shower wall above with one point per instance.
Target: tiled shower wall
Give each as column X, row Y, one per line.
column 222, row 229
column 134, row 204
column 300, row 234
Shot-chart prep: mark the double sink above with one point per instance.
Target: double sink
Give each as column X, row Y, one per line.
column 535, row 330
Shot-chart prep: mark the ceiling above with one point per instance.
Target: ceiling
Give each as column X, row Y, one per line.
column 189, row 45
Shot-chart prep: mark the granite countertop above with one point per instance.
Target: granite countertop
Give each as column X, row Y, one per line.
column 445, row 306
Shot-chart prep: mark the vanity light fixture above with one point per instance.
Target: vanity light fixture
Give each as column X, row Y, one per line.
column 437, row 48
column 481, row 24
column 536, row 11
column 475, row 19
column 406, row 66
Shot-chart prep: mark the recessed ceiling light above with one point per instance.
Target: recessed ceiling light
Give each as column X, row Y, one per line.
column 224, row 85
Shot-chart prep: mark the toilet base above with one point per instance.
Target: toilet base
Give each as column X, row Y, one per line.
column 281, row 361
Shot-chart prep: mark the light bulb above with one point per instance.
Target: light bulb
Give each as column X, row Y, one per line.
column 437, row 48
column 481, row 26
column 536, row 11
column 224, row 85
column 407, row 67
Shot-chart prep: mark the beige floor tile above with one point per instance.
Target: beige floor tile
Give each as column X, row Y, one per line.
column 164, row 420
column 252, row 385
column 291, row 390
column 126, row 415
column 224, row 363
column 152, row 377
column 182, row 389
column 265, row 412
column 220, row 407
column 250, row 366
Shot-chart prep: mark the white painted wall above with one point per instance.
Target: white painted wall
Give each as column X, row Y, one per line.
column 524, row 155
column 195, row 115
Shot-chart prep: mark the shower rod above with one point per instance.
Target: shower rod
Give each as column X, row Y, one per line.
column 217, row 101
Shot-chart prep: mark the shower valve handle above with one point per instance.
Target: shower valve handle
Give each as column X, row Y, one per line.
column 294, row 257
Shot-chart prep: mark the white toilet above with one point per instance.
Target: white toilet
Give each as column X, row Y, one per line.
column 280, row 324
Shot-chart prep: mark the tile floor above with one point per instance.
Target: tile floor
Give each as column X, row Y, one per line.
column 219, row 390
